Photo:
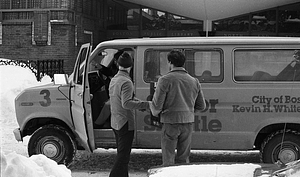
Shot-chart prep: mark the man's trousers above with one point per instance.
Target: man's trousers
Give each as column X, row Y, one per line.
column 174, row 136
column 124, row 139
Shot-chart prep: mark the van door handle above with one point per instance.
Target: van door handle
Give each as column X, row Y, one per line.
column 80, row 95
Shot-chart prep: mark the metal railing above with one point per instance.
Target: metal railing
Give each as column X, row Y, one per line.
column 40, row 68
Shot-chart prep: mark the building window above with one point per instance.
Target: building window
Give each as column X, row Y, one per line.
column 153, row 19
column 289, row 19
column 181, row 23
column 1, row 28
column 281, row 21
column 5, row 4
column 18, row 4
column 62, row 16
column 34, row 4
column 267, row 65
column 123, row 16
column 17, row 15
column 133, row 19
column 88, row 35
column 41, row 28
column 264, row 22
column 87, row 7
column 236, row 24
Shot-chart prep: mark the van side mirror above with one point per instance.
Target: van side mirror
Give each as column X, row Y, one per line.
column 60, row 79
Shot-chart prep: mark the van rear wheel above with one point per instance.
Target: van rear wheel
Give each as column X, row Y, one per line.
column 53, row 141
column 273, row 149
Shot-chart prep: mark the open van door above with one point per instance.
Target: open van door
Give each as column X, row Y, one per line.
column 81, row 101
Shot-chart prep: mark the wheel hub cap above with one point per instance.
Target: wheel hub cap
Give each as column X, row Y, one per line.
column 50, row 150
column 287, row 155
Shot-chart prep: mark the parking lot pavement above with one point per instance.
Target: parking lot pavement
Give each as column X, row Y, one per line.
column 104, row 174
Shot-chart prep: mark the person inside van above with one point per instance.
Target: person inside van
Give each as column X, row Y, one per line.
column 176, row 98
column 292, row 71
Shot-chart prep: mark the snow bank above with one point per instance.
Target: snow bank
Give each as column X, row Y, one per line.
column 15, row 165
column 13, row 80
column 223, row 170
column 218, row 170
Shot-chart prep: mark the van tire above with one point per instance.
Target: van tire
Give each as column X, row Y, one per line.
column 53, row 141
column 270, row 148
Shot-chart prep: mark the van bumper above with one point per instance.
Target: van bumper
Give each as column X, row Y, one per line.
column 17, row 134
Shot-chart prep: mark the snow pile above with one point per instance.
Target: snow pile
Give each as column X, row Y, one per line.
column 15, row 165
column 222, row 170
column 217, row 170
column 13, row 80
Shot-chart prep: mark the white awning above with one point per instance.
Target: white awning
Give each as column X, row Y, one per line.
column 211, row 9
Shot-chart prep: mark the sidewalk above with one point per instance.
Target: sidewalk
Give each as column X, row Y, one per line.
column 104, row 174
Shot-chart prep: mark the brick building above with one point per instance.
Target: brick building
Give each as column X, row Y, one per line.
column 49, row 29
column 55, row 29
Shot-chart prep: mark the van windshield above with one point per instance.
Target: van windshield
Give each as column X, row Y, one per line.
column 107, row 56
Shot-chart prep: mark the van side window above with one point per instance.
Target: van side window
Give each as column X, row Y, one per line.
column 265, row 65
column 205, row 65
column 155, row 64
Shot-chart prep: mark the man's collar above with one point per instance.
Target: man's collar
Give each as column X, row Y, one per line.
column 123, row 72
column 178, row 69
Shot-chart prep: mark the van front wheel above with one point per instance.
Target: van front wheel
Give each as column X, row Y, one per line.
column 53, row 141
column 275, row 149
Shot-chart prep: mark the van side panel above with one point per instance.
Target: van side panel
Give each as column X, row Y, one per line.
column 236, row 111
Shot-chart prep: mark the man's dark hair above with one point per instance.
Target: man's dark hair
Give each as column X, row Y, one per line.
column 176, row 58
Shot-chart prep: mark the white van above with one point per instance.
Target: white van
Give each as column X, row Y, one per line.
column 251, row 86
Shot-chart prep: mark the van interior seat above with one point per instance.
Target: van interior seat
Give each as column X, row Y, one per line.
column 290, row 72
column 206, row 75
column 99, row 92
column 104, row 114
column 261, row 76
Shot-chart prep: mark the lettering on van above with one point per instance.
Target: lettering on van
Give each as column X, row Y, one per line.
column 264, row 104
column 202, row 122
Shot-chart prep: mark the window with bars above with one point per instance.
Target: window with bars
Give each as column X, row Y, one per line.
column 5, row 4
column 36, row 3
column 17, row 15
column 41, row 27
column 62, row 15
column 87, row 7
column 18, row 4
column 60, row 4
column 0, row 32
column 54, row 15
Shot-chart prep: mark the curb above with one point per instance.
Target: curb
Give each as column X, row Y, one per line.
column 104, row 174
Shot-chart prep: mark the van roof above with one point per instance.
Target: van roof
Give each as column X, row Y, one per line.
column 201, row 40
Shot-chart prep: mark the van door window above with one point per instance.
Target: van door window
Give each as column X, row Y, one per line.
column 79, row 70
column 266, row 65
column 206, row 65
